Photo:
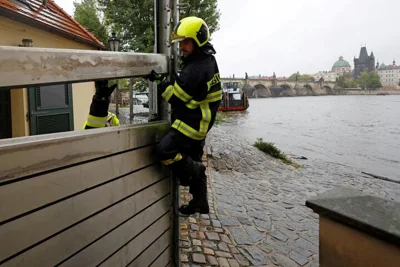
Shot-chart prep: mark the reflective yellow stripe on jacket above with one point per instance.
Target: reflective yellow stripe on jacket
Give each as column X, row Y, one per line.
column 177, row 91
column 187, row 130
column 96, row 122
column 206, row 117
column 193, row 104
column 211, row 97
column 216, row 79
column 178, row 157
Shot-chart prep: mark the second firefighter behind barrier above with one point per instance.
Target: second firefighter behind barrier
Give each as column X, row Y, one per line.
column 195, row 95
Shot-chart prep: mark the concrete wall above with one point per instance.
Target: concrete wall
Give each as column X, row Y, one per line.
column 12, row 33
column 368, row 92
column 341, row 245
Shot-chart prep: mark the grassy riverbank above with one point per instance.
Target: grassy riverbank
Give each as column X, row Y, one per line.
column 273, row 151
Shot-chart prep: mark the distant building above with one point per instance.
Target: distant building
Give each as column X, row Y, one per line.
column 327, row 76
column 341, row 66
column 364, row 63
column 389, row 75
column 267, row 78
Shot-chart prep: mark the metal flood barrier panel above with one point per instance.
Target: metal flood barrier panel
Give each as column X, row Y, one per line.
column 97, row 197
column 88, row 198
column 21, row 66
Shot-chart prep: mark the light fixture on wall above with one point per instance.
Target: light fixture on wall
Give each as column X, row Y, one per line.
column 113, row 42
column 113, row 45
column 26, row 43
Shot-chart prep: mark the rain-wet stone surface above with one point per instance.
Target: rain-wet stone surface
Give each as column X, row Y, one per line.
column 261, row 202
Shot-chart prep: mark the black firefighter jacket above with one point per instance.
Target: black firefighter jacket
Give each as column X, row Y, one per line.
column 196, row 94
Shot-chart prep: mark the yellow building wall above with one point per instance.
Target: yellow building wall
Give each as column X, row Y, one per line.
column 19, row 110
column 12, row 33
column 82, row 94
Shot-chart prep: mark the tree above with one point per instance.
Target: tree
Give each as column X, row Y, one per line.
column 306, row 78
column 363, row 80
column 205, row 9
column 87, row 14
column 351, row 83
column 374, row 80
column 301, row 77
column 133, row 20
column 370, row 80
column 341, row 81
column 346, row 82
column 141, row 85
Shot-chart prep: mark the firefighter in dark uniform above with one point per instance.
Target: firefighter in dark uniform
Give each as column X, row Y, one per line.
column 195, row 95
column 99, row 116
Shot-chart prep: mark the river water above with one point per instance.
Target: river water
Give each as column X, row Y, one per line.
column 338, row 134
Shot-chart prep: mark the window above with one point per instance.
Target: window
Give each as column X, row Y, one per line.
column 236, row 96
column 52, row 96
column 51, row 109
column 5, row 114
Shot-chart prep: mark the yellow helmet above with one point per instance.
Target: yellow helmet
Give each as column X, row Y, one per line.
column 191, row 27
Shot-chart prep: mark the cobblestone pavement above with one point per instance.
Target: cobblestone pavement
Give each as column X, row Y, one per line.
column 204, row 242
column 258, row 213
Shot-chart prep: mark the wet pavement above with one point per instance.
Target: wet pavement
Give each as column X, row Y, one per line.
column 258, row 215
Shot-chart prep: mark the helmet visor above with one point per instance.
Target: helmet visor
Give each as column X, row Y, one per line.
column 176, row 38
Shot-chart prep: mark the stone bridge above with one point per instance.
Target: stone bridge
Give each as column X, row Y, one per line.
column 276, row 88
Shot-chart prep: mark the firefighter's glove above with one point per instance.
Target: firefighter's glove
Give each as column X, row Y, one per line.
column 103, row 91
column 156, row 77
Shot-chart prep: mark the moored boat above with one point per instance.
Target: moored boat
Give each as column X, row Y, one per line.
column 233, row 98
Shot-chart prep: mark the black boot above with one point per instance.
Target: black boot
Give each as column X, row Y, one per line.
column 199, row 203
column 187, row 167
column 188, row 170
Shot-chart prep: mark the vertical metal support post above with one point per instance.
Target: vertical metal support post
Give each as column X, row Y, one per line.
column 164, row 47
column 131, row 100
column 176, row 188
column 163, row 19
column 117, row 100
column 175, row 54
column 153, row 107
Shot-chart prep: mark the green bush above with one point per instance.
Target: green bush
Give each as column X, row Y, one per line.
column 273, row 151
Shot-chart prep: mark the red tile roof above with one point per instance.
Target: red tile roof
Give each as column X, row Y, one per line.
column 392, row 67
column 50, row 16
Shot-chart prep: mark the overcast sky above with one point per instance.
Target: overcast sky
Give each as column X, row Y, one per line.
column 285, row 36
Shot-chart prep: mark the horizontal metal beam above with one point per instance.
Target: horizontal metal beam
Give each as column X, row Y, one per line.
column 27, row 66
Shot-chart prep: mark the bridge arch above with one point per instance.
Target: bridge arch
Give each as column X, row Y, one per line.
column 309, row 88
column 329, row 90
column 285, row 86
column 250, row 90
column 287, row 90
column 262, row 91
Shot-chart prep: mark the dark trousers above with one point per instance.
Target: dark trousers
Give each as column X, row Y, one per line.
column 175, row 143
